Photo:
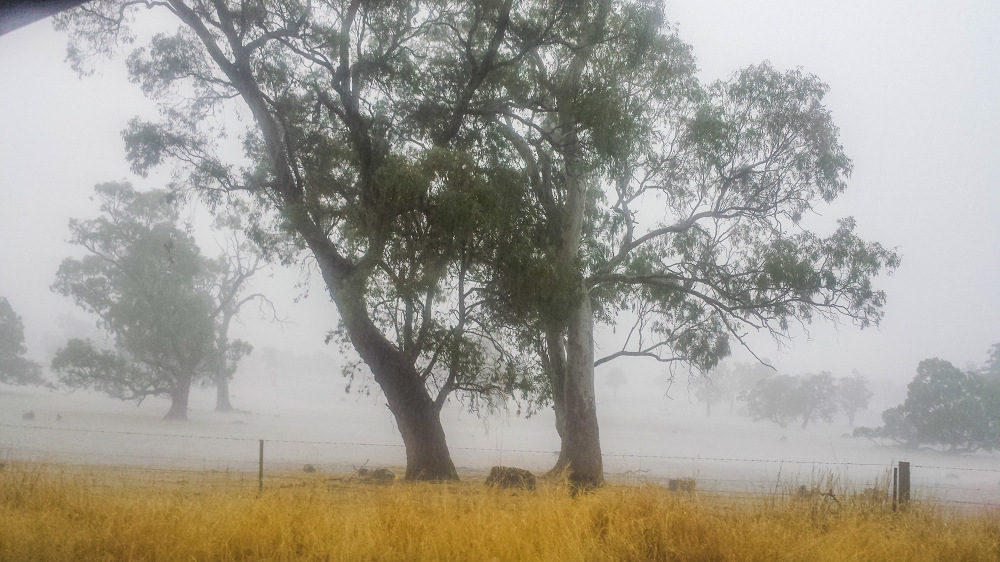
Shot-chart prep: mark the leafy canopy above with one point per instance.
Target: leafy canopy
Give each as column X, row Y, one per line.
column 944, row 406
column 14, row 367
column 144, row 279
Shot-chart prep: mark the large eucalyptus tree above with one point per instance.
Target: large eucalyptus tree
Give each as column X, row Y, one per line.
column 365, row 145
column 671, row 205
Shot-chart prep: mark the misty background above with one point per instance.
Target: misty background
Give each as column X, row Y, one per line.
column 913, row 87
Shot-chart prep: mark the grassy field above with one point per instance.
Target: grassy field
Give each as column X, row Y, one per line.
column 71, row 512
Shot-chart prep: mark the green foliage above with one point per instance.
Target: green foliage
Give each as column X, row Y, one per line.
column 776, row 398
column 819, row 398
column 784, row 398
column 853, row 395
column 944, row 406
column 82, row 364
column 14, row 368
column 144, row 278
column 425, row 154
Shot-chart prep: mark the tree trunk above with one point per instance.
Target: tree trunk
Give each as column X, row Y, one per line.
column 221, row 380
column 179, row 399
column 850, row 417
column 222, row 403
column 556, row 351
column 417, row 417
column 580, row 453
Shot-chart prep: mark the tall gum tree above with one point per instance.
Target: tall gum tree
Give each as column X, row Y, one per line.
column 361, row 117
column 675, row 205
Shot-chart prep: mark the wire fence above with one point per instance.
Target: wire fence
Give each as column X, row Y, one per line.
column 169, row 459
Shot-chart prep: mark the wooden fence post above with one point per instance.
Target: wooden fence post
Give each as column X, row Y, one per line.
column 904, row 483
column 260, row 469
column 895, row 486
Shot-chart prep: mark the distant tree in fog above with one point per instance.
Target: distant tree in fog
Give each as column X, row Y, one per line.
column 718, row 385
column 818, row 397
column 14, row 367
column 230, row 275
column 616, row 378
column 853, row 395
column 745, row 377
column 959, row 410
column 784, row 398
column 146, row 280
column 776, row 398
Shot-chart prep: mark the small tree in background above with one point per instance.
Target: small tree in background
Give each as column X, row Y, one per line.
column 145, row 280
column 230, row 275
column 944, row 406
column 853, row 395
column 745, row 378
column 818, row 397
column 616, row 378
column 14, row 367
column 719, row 385
column 778, row 399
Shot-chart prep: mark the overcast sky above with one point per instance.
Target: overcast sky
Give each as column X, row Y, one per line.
column 914, row 88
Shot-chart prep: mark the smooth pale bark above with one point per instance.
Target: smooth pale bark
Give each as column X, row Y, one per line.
column 581, row 440
column 179, row 399
column 222, row 403
column 580, row 450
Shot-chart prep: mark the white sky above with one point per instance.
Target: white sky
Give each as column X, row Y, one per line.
column 914, row 88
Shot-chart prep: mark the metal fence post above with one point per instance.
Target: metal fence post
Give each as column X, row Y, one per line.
column 260, row 469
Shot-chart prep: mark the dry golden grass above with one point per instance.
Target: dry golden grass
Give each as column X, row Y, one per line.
column 52, row 512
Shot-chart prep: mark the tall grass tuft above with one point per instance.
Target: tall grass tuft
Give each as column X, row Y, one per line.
column 69, row 512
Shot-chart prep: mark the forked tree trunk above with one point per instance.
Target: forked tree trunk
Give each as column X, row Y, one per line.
column 179, row 399
column 222, row 403
column 556, row 351
column 417, row 417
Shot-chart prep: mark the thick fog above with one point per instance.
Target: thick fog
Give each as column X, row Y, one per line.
column 913, row 87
